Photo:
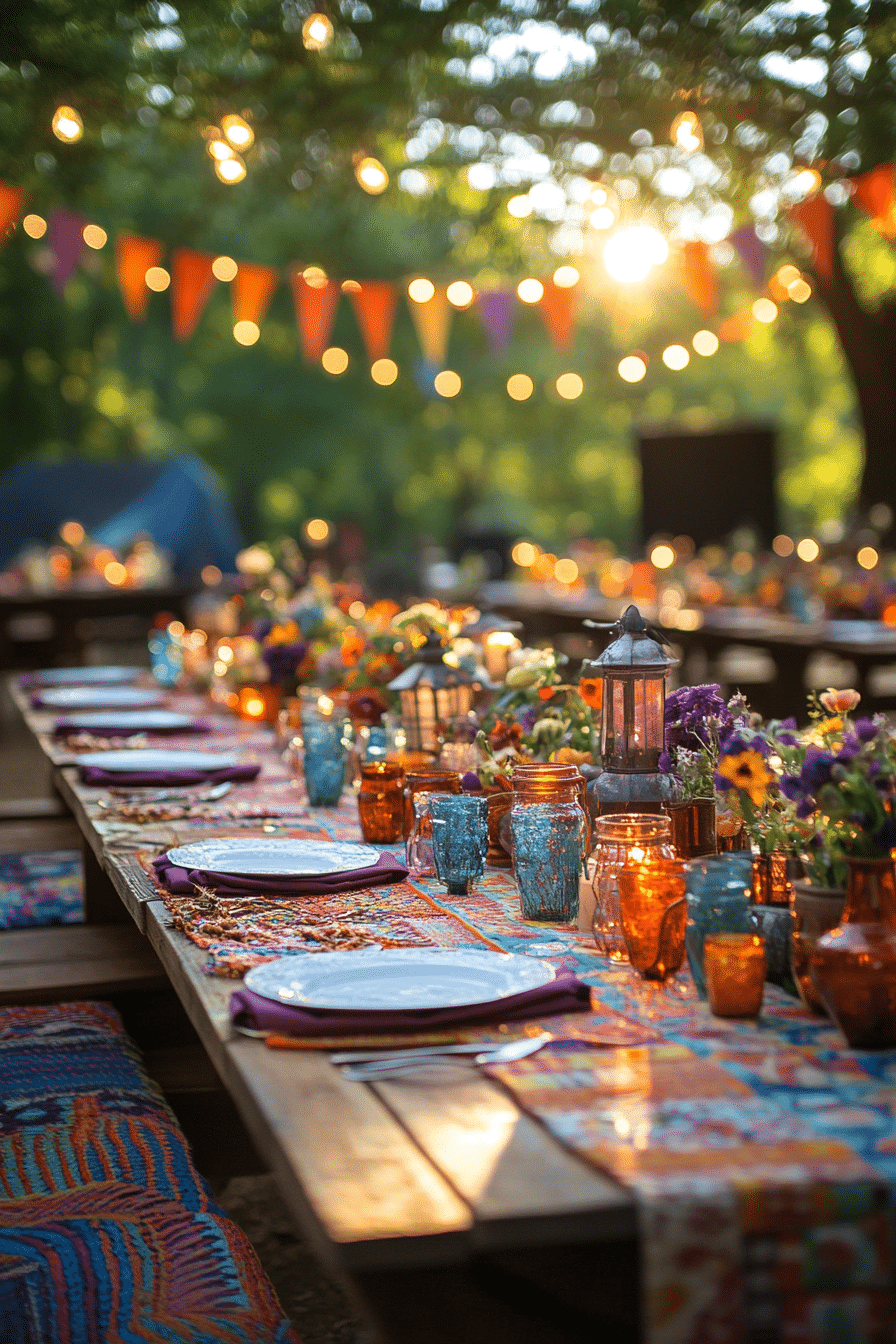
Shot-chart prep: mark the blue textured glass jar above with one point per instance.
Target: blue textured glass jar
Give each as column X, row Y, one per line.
column 459, row 839
column 323, row 762
column 718, row 889
column 547, row 827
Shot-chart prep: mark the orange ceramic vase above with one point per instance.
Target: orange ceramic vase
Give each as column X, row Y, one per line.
column 853, row 967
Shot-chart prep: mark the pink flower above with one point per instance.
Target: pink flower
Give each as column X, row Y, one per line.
column 839, row 702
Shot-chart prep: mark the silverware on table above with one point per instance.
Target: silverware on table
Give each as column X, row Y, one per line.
column 367, row 1067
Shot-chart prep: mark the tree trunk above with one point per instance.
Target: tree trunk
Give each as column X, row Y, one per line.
column 868, row 339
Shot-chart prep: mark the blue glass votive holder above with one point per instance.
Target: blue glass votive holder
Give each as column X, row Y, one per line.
column 459, row 839
column 718, row 889
column 323, row 763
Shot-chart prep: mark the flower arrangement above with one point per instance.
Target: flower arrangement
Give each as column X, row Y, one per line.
column 751, row 761
column 696, row 719
column 842, row 781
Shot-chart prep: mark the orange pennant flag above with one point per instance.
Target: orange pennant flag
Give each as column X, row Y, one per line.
column 134, row 257
column 875, row 192
column 816, row 219
column 374, row 304
column 252, row 290
column 432, row 320
column 192, row 281
column 738, row 326
column 316, row 303
column 12, row 202
column 699, row 277
column 558, row 309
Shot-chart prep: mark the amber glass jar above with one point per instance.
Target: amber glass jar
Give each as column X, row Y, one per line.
column 426, row 781
column 381, row 802
column 853, row 967
column 623, row 840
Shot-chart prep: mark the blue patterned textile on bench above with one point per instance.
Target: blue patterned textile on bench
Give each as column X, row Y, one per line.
column 108, row 1234
column 39, row 889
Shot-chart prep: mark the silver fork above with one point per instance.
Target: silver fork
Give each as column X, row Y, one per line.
column 363, row 1068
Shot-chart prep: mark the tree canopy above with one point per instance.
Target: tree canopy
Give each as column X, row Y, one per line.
column 470, row 106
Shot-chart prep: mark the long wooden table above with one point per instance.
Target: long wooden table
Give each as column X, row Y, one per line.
column 451, row 1213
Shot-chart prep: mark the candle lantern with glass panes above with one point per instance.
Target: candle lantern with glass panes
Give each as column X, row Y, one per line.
column 433, row 691
column 633, row 671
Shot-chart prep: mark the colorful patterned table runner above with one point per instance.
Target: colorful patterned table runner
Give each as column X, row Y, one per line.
column 762, row 1155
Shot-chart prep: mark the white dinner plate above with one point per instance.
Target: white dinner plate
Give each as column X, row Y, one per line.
column 151, row 758
column 133, row 720
column 88, row 676
column 101, row 697
column 398, row 978
column 267, row 857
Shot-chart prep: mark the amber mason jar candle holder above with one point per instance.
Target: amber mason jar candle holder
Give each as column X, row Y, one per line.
column 381, row 802
column 734, row 966
column 693, row 826
column 623, row 840
column 547, row 825
column 654, row 915
column 432, row 780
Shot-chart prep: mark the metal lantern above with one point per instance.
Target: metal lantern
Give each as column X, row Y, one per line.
column 498, row 637
column 634, row 669
column 432, row 692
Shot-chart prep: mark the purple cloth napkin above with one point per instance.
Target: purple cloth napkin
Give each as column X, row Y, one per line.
column 566, row 994
column 63, row 726
column 107, row 779
column 183, row 881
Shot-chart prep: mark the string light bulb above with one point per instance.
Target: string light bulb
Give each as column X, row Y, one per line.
column 238, row 131
column 371, row 175
column 317, row 32
column 230, row 170
column 67, row 124
column 687, row 133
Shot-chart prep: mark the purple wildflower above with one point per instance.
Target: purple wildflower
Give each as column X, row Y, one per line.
column 470, row 782
column 865, row 730
column 816, row 771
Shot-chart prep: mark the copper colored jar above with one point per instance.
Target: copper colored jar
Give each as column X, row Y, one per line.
column 773, row 877
column 734, row 965
column 813, row 911
column 853, row 968
column 381, row 802
column 693, row 827
column 654, row 915
column 623, row 840
column 500, row 801
column 429, row 781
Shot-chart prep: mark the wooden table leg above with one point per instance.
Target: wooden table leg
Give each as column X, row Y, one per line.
column 102, row 903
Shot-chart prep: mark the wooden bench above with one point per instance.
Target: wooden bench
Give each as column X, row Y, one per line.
column 66, row 961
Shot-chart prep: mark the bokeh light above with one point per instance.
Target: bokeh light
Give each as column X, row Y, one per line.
column 530, row 290
column 157, row 279
column 384, row 372
column 520, row 386
column 783, row 545
column 224, row 268
column 569, row 386
column 34, row 225
column 67, row 125
column 94, row 236
column 566, row 276
column 246, row 333
column 334, row 360
column 662, row 556
column 371, row 176
column 764, row 310
column 317, row 32
column 676, row 357
column 808, row 549
column 632, row 368
column 421, row 290
column 631, row 254
column 706, row 343
column 238, row 131
column 524, row 554
column 230, row 170
column 687, row 133
column 317, row 530
column 447, row 383
column 867, row 557
column 566, row 571
column 460, row 294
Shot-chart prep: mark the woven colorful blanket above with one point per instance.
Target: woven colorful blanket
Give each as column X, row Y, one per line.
column 40, row 889
column 108, row 1235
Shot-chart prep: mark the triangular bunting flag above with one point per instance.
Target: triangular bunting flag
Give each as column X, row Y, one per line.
column 558, row 309
column 12, row 203
column 134, row 257
column 875, row 192
column 699, row 277
column 315, row 313
column 66, row 233
column 433, row 323
column 738, row 326
column 374, row 305
column 751, row 251
column 252, row 290
column 497, row 310
column 192, row 282
column 816, row 219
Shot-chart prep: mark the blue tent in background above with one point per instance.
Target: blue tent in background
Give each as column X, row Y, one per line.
column 180, row 503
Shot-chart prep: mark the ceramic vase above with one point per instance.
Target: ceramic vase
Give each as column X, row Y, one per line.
column 813, row 912
column 853, row 967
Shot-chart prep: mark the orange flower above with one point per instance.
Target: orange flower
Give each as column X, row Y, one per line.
column 382, row 612
column 591, row 689
column 839, row 702
column 353, row 646
column 546, row 693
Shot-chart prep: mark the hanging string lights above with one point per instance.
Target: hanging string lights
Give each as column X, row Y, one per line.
column 67, row 124
column 370, row 174
column 237, row 131
column 317, row 32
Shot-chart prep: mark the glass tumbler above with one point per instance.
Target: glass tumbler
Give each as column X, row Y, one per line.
column 459, row 839
column 323, row 762
column 381, row 802
column 547, row 825
column 718, row 889
column 654, row 915
column 623, row 840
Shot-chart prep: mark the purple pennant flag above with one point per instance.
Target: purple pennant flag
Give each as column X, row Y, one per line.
column 497, row 308
column 67, row 244
column 751, row 251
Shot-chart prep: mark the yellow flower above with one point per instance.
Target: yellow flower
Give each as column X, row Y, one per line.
column 286, row 633
column 834, row 725
column 749, row 772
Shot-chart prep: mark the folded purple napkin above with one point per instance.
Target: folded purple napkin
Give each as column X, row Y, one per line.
column 183, row 881
column 107, row 779
column 64, row 726
column 566, row 994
